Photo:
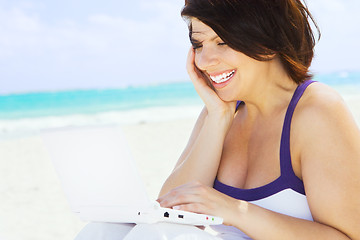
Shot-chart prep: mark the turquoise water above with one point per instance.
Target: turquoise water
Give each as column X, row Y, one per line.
column 94, row 101
column 30, row 105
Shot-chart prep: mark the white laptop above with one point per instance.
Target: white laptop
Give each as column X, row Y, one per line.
column 101, row 182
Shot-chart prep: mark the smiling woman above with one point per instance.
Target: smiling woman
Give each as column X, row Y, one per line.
column 250, row 65
column 260, row 37
column 273, row 153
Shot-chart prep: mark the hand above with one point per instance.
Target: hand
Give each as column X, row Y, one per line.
column 198, row 198
column 203, row 86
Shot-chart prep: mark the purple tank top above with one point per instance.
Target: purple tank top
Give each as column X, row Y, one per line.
column 287, row 179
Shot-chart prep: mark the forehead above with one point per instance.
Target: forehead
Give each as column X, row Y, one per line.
column 201, row 30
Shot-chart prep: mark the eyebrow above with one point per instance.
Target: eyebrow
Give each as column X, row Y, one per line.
column 195, row 40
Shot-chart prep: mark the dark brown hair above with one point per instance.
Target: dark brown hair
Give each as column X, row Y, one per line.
column 259, row 28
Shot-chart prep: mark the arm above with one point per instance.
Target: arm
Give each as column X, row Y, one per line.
column 201, row 157
column 331, row 170
column 329, row 141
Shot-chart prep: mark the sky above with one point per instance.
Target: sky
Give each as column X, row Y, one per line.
column 48, row 45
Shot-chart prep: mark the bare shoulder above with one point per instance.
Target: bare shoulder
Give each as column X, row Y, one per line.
column 323, row 108
column 323, row 125
column 328, row 141
column 322, row 119
column 319, row 96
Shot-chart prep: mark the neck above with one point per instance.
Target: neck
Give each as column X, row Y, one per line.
column 272, row 92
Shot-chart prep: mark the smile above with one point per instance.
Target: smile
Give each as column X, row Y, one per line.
column 222, row 77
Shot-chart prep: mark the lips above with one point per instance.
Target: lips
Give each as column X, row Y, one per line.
column 222, row 79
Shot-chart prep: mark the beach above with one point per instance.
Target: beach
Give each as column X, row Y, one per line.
column 32, row 203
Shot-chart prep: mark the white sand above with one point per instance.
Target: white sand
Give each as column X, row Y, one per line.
column 32, row 204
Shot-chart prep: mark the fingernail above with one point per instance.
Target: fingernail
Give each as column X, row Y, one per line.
column 176, row 207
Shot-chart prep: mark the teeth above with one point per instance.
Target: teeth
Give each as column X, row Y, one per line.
column 222, row 77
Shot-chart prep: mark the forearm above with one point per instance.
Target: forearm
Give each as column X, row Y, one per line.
column 260, row 223
column 201, row 161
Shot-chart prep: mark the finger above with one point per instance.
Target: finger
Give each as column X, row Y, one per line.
column 193, row 72
column 175, row 198
column 190, row 192
column 190, row 63
column 192, row 207
column 196, row 75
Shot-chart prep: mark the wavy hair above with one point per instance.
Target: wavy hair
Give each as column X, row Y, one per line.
column 261, row 28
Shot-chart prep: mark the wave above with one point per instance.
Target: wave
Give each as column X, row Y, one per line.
column 10, row 128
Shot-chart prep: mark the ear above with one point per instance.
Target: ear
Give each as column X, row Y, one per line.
column 268, row 54
column 270, row 57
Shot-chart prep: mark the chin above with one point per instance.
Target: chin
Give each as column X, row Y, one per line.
column 226, row 97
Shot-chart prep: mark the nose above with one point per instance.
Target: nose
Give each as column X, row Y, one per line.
column 206, row 59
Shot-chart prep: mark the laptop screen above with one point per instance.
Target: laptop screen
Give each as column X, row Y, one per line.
column 95, row 167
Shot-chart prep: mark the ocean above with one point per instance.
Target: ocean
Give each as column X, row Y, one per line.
column 34, row 111
column 30, row 105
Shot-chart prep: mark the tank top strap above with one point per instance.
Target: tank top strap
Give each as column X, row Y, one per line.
column 285, row 156
column 238, row 103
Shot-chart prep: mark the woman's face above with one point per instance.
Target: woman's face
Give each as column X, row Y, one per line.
column 232, row 73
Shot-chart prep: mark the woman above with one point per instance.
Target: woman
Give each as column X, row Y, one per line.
column 274, row 154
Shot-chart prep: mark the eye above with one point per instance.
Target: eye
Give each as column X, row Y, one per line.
column 222, row 44
column 196, row 44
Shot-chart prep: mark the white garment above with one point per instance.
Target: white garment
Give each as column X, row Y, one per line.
column 287, row 202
